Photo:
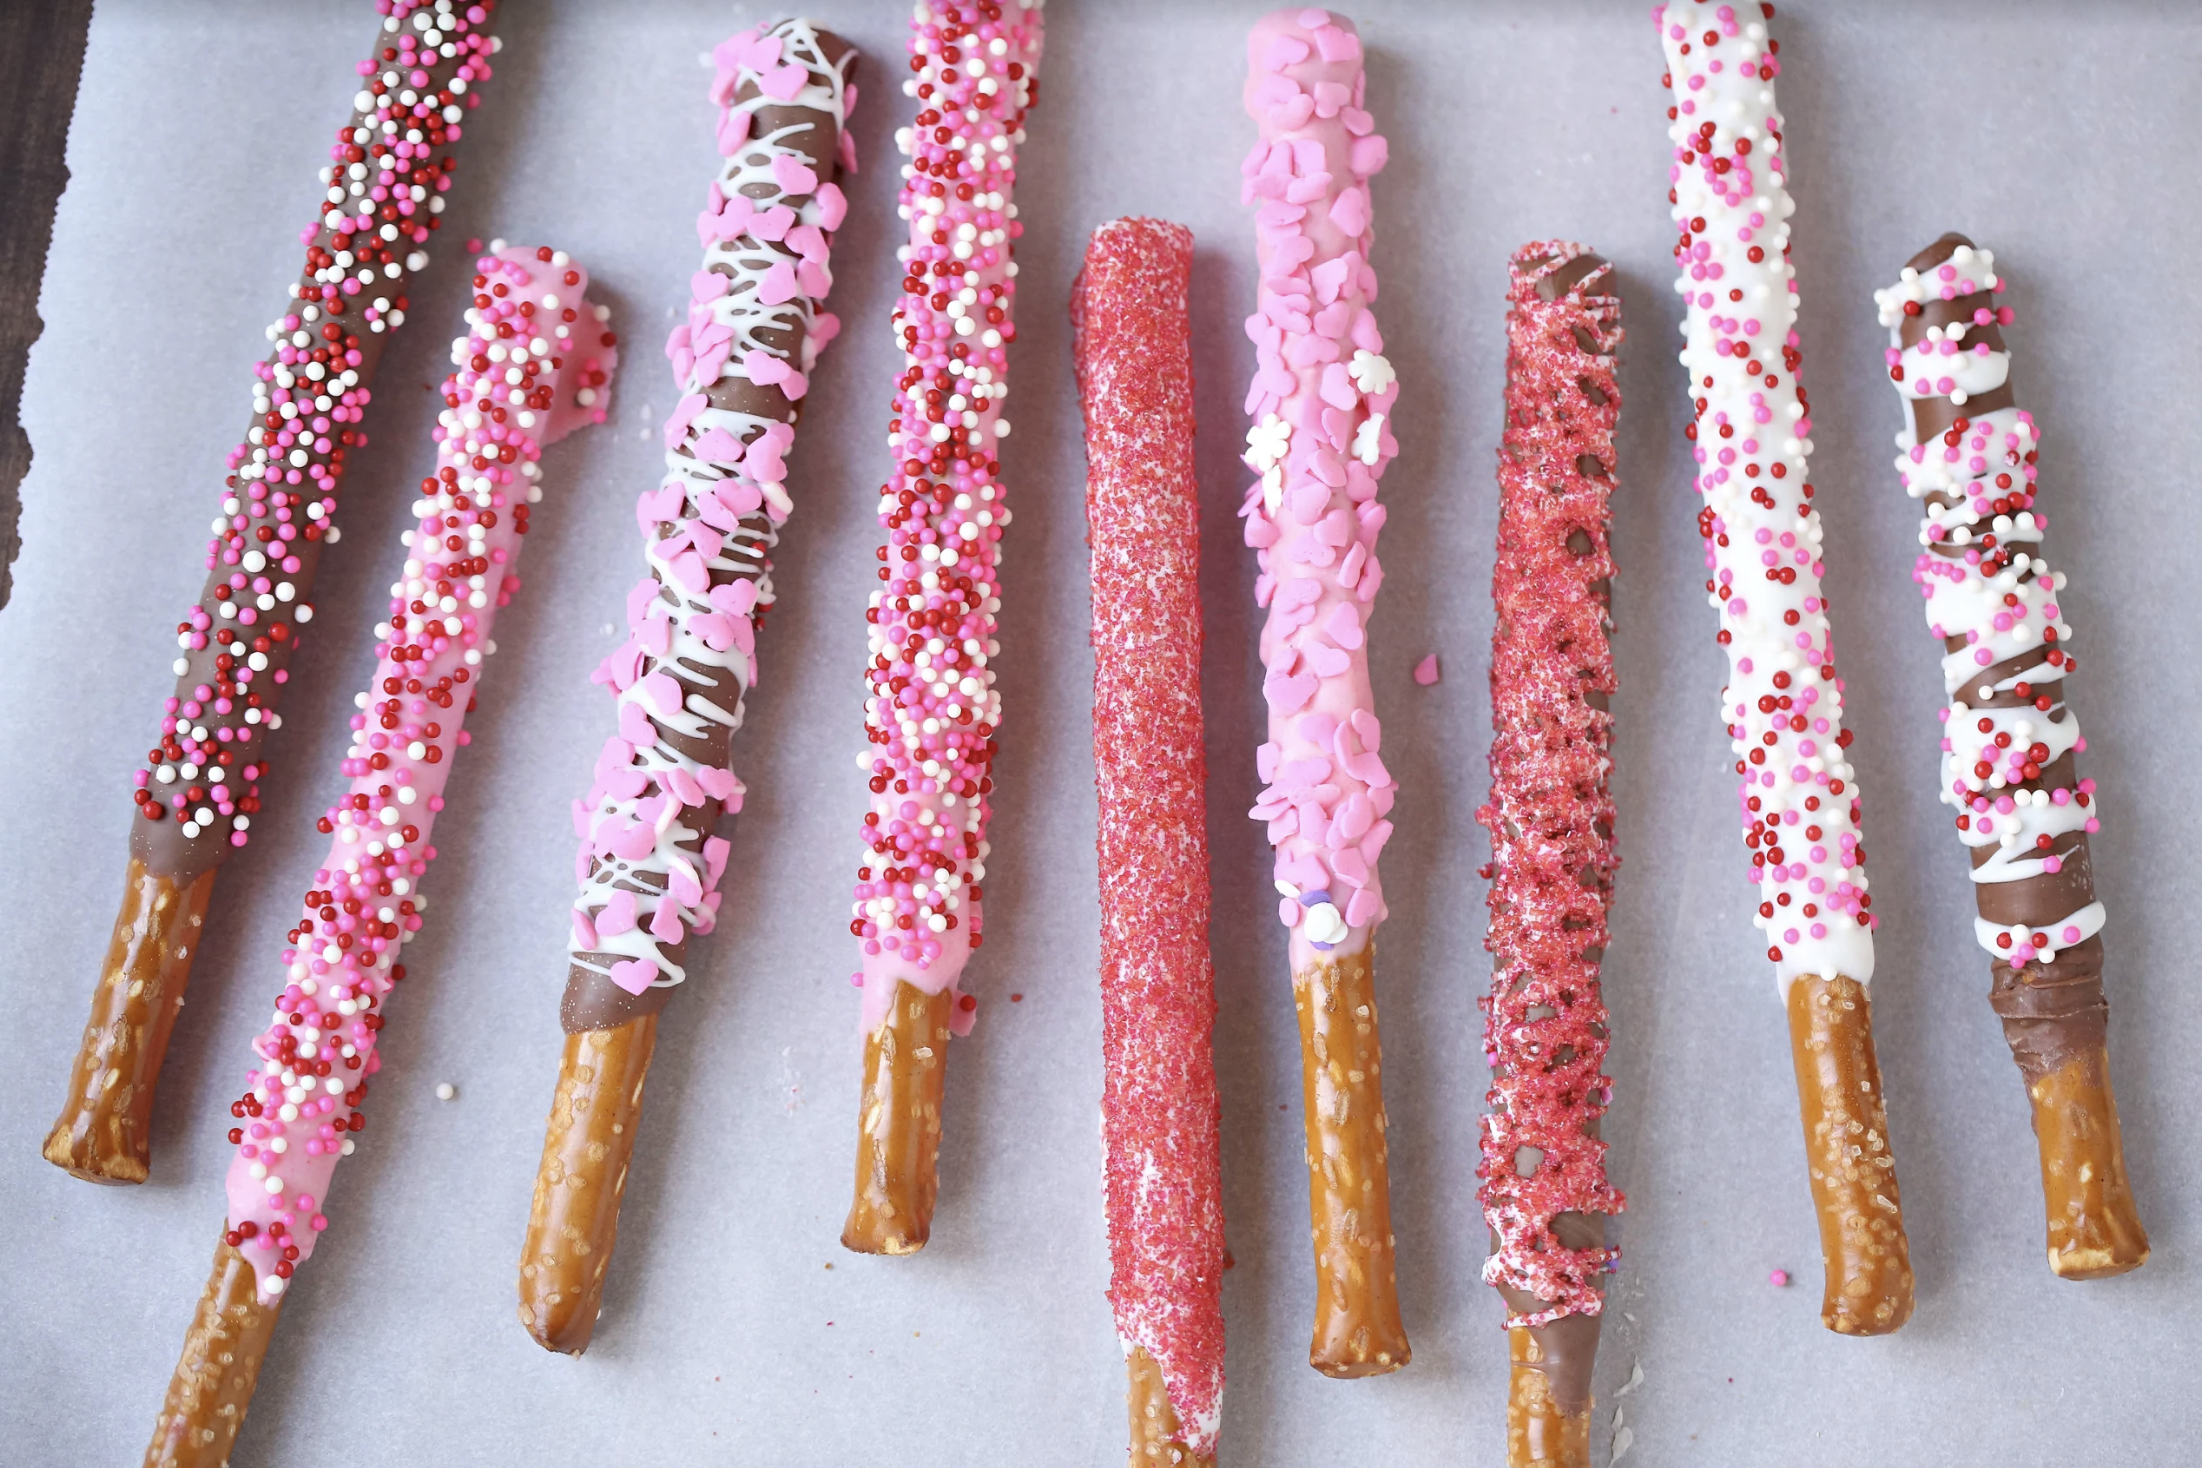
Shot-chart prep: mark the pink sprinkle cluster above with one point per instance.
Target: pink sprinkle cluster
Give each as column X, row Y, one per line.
column 1322, row 400
column 385, row 183
column 932, row 711
column 710, row 525
column 534, row 366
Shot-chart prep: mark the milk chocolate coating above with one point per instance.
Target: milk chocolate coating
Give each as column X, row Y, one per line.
column 592, row 1001
column 161, row 845
column 2053, row 1012
column 1567, row 1349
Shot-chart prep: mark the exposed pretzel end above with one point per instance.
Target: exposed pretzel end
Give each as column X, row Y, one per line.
column 103, row 1132
column 1357, row 1326
column 898, row 1137
column 2094, row 1230
column 1537, row 1430
column 573, row 1220
column 1862, row 1243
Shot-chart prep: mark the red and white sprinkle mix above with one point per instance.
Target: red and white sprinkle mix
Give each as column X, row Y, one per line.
column 931, row 710
column 1798, row 798
column 535, row 364
column 1551, row 814
column 385, row 180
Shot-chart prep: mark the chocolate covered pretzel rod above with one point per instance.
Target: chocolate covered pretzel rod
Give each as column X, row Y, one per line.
column 649, row 865
column 1799, row 796
column 199, row 788
column 1162, row 1167
column 534, row 366
column 2009, row 737
column 1321, row 402
column 931, row 711
column 1545, row 1193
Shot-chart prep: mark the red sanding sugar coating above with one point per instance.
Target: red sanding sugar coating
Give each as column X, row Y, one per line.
column 1163, row 1174
column 1550, row 815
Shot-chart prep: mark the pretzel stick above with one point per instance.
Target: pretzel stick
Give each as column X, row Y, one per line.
column 1783, row 703
column 312, row 1063
column 1162, row 1167
column 212, row 1387
column 898, row 1129
column 102, row 1134
column 1551, row 816
column 2008, row 765
column 573, row 1219
column 1321, row 400
column 743, row 362
column 932, row 711
column 200, row 786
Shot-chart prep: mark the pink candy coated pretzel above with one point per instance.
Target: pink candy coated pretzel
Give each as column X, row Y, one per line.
column 535, row 364
column 1322, row 399
column 931, row 711
column 1162, row 1167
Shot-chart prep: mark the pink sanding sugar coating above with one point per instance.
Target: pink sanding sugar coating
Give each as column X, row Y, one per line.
column 314, row 1058
column 932, row 711
column 1551, row 816
column 1162, row 1163
column 1321, row 401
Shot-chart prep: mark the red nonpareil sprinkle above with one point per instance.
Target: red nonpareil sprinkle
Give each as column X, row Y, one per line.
column 931, row 708
column 1550, row 816
column 1162, row 1170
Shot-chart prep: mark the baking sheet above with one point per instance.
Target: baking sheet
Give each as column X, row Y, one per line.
column 736, row 1329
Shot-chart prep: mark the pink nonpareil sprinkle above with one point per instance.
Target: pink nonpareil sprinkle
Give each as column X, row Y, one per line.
column 1779, row 1279
column 1426, row 672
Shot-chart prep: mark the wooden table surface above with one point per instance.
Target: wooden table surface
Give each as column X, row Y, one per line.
column 41, row 56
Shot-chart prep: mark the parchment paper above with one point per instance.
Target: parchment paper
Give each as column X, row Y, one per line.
column 736, row 1329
